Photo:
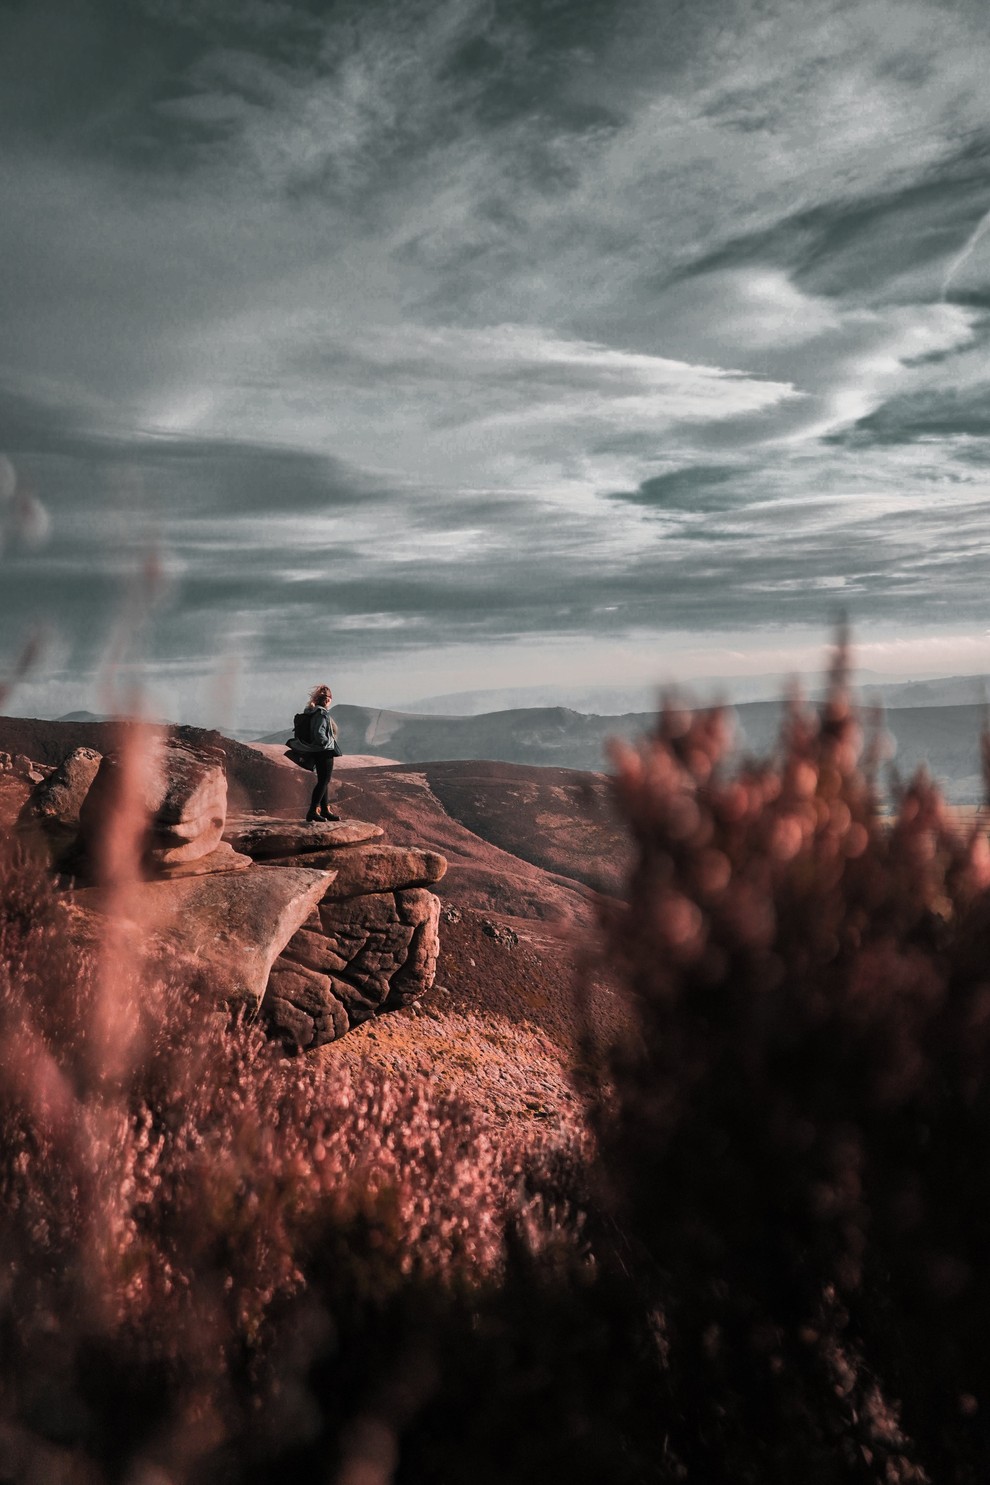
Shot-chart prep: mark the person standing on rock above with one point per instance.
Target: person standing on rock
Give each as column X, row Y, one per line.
column 315, row 737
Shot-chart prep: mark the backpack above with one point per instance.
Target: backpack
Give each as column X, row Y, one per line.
column 311, row 727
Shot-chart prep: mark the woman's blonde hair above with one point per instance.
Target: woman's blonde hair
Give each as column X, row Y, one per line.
column 320, row 695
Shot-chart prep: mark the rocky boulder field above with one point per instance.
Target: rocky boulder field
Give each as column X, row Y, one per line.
column 443, row 923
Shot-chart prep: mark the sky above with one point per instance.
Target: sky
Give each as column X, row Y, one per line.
column 448, row 344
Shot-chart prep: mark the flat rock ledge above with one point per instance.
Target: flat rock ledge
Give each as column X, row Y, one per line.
column 363, row 869
column 264, row 836
column 232, row 924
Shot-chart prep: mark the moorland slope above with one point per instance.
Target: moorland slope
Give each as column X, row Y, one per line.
column 523, row 998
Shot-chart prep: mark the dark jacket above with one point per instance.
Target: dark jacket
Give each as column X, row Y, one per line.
column 326, row 732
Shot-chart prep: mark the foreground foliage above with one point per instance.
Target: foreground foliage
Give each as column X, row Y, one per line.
column 801, row 1149
column 218, row 1261
column 764, row 1260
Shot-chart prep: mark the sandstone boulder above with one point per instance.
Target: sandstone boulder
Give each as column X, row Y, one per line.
column 59, row 798
column 231, row 924
column 176, row 782
column 191, row 785
column 27, row 768
column 180, row 790
column 48, row 822
column 376, row 952
column 265, row 837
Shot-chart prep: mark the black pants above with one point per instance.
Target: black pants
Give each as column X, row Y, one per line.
column 324, row 772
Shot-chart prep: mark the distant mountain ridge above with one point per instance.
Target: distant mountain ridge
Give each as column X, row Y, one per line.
column 540, row 735
column 737, row 690
column 963, row 690
column 944, row 738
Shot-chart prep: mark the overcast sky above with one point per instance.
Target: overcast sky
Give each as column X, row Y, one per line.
column 439, row 344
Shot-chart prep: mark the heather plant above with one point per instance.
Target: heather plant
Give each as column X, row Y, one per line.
column 798, row 1150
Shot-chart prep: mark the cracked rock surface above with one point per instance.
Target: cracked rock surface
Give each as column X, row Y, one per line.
column 365, row 954
column 371, row 944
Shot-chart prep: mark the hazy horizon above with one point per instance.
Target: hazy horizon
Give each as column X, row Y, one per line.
column 869, row 688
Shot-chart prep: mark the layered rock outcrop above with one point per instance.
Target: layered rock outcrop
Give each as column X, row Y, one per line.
column 316, row 926
column 367, row 953
column 372, row 943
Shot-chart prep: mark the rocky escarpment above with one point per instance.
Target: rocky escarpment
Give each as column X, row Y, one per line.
column 317, row 927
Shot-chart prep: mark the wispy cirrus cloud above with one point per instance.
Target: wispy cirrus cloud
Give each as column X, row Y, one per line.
column 428, row 284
